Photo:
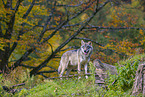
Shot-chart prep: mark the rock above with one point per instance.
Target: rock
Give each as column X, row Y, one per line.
column 103, row 68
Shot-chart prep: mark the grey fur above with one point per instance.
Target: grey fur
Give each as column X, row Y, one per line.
column 73, row 58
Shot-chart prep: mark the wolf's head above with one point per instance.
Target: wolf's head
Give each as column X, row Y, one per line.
column 86, row 48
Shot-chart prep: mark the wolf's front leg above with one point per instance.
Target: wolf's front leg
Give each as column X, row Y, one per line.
column 79, row 70
column 86, row 68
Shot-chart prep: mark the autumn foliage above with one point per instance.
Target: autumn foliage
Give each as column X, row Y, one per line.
column 35, row 33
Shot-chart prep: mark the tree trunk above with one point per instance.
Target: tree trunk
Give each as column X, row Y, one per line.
column 4, row 58
column 139, row 84
column 6, row 52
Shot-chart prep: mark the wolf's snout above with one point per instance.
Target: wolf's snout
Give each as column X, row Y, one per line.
column 86, row 51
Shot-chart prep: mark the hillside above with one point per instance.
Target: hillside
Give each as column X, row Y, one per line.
column 116, row 85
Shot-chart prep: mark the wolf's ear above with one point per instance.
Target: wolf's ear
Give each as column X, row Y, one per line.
column 82, row 42
column 90, row 43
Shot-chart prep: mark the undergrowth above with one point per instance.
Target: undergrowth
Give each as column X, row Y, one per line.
column 116, row 85
column 126, row 70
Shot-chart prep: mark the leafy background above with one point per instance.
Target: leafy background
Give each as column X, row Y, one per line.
column 35, row 33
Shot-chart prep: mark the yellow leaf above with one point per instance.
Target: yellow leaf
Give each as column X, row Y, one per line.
column 141, row 32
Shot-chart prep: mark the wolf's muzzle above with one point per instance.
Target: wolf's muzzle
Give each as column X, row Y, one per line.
column 86, row 52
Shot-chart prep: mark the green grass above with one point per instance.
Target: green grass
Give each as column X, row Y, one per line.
column 73, row 87
column 64, row 87
column 69, row 88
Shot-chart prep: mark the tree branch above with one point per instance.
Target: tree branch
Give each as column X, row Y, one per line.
column 70, row 76
column 26, row 66
column 51, row 35
column 3, row 3
column 29, row 51
column 28, row 11
column 24, row 16
column 43, row 64
column 44, row 28
column 17, row 63
column 1, row 34
column 43, row 75
column 65, row 22
column 52, row 68
column 46, row 23
column 60, row 5
column 79, row 13
column 88, row 40
column 113, row 28
column 74, row 47
column 97, row 44
column 17, row 5
column 51, row 71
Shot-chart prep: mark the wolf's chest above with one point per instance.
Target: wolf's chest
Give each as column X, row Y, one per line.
column 83, row 60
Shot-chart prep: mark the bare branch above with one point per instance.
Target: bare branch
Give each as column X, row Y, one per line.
column 28, row 11
column 60, row 5
column 43, row 75
column 74, row 47
column 17, row 85
column 53, row 33
column 65, row 22
column 10, row 89
column 46, row 23
column 51, row 71
column 97, row 44
column 26, row 66
column 3, row 3
column 88, row 40
column 17, row 63
column 51, row 47
column 1, row 34
column 29, row 51
column 77, row 24
column 81, row 11
column 97, row 3
column 113, row 28
column 17, row 5
column 52, row 68
column 70, row 76
column 43, row 64
column 44, row 28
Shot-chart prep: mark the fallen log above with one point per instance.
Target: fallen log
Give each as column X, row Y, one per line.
column 70, row 76
column 139, row 84
column 11, row 88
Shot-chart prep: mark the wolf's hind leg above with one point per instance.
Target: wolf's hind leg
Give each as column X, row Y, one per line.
column 62, row 71
column 68, row 70
column 63, row 68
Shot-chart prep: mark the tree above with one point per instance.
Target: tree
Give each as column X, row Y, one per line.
column 48, row 17
column 34, row 32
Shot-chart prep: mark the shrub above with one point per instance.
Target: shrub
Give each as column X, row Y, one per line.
column 126, row 73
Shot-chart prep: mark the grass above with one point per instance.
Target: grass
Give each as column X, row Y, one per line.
column 66, row 87
column 69, row 88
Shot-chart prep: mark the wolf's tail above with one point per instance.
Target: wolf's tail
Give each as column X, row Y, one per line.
column 59, row 68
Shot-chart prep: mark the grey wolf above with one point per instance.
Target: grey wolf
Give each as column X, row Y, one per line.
column 76, row 58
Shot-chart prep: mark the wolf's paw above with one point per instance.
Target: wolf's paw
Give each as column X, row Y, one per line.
column 86, row 77
column 79, row 77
